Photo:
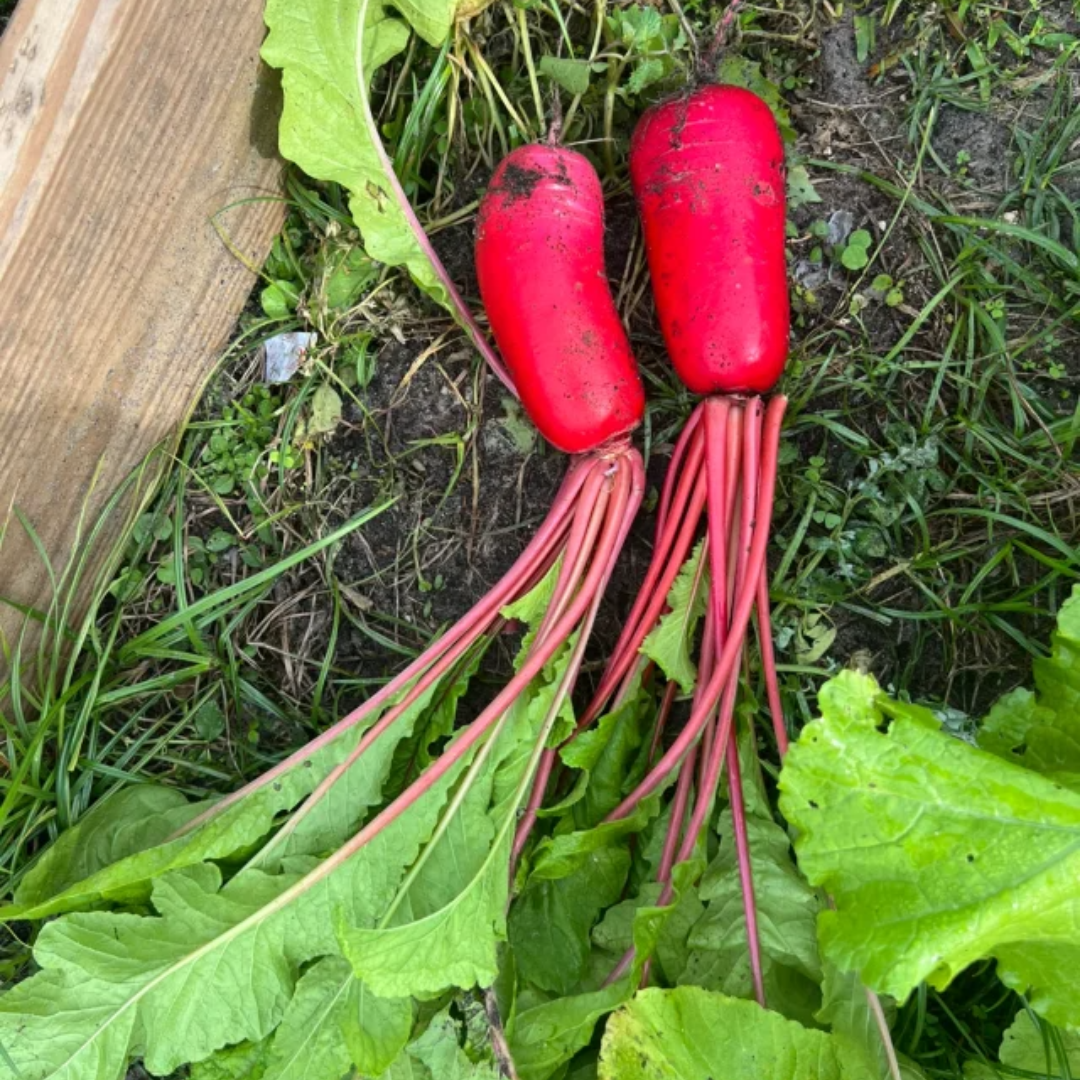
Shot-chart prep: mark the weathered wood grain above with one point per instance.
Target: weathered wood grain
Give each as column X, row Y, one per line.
column 125, row 127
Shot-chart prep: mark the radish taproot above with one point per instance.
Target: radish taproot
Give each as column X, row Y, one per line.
column 579, row 383
column 540, row 263
column 708, row 174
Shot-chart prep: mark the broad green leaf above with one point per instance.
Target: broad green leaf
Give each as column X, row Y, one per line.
column 741, row 71
column 605, row 754
column 244, row 1061
column 326, row 824
column 123, row 824
column 333, row 1023
column 846, row 1008
column 533, row 606
column 414, row 755
column 235, row 828
column 937, row 854
column 561, row 854
column 214, row 967
column 670, row 643
column 692, row 1034
column 787, row 912
column 320, row 47
column 455, row 945
column 546, row 1036
column 439, row 1050
column 550, row 921
column 448, row 932
column 571, row 75
column 1041, row 730
column 431, row 19
column 1040, row 1049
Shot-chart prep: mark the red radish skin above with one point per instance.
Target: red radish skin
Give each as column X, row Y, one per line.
column 540, row 262
column 708, row 175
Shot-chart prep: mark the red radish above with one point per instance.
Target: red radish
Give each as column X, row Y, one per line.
column 540, row 261
column 579, row 383
column 708, row 173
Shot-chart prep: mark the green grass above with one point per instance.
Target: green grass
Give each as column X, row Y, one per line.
column 927, row 526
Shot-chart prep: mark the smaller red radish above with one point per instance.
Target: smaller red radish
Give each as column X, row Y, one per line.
column 540, row 261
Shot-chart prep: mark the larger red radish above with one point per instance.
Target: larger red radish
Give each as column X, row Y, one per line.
column 540, row 262
column 708, row 174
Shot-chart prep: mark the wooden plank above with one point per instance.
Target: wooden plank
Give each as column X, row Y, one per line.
column 125, row 126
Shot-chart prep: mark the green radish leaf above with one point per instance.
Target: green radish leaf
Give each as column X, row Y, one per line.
column 215, row 966
column 455, row 945
column 550, row 921
column 741, row 71
column 623, row 924
column 244, row 1061
column 787, row 929
column 637, row 25
column 845, row 1007
column 605, row 754
column 645, row 74
column 235, row 828
column 334, row 1023
column 561, row 854
column 454, row 907
column 693, row 1034
column 123, row 824
column 937, row 854
column 415, row 754
column 1040, row 1049
column 320, row 47
column 1041, row 730
column 543, row 1037
column 546, row 1036
column 571, row 75
column 671, row 642
column 438, row 1052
